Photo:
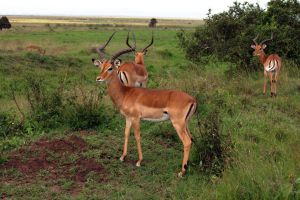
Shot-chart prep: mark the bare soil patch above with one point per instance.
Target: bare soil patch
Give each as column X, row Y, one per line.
column 51, row 160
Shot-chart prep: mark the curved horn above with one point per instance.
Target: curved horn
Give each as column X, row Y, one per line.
column 267, row 39
column 119, row 53
column 127, row 41
column 149, row 44
column 100, row 49
column 254, row 40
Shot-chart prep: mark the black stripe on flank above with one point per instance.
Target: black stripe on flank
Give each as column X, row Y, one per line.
column 189, row 111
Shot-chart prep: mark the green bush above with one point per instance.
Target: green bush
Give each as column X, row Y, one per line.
column 46, row 107
column 9, row 125
column 228, row 35
column 212, row 147
column 80, row 109
column 86, row 111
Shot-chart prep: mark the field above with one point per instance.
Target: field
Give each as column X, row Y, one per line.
column 246, row 143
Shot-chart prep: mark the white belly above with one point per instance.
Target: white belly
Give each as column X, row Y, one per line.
column 164, row 117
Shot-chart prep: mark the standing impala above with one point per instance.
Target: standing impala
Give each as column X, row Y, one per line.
column 134, row 73
column 137, row 104
column 272, row 64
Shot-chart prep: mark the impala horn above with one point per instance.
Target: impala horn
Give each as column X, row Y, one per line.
column 100, row 49
column 267, row 39
column 145, row 49
column 119, row 53
column 254, row 40
column 127, row 41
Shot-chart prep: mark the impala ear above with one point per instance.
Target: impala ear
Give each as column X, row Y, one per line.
column 264, row 46
column 117, row 63
column 253, row 46
column 97, row 63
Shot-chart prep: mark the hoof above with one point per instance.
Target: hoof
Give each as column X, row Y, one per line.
column 138, row 164
column 180, row 174
column 122, row 158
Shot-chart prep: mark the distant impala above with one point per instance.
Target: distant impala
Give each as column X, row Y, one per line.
column 33, row 47
column 272, row 64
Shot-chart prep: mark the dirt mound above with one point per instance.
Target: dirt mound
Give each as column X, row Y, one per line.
column 53, row 159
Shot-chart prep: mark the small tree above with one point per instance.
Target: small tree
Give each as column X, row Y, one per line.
column 4, row 23
column 228, row 35
column 152, row 22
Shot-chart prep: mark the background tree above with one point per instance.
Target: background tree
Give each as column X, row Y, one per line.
column 153, row 22
column 4, row 23
column 227, row 36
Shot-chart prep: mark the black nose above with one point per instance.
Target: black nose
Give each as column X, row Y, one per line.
column 93, row 59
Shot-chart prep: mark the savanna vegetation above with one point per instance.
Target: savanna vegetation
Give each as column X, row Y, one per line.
column 226, row 35
column 61, row 136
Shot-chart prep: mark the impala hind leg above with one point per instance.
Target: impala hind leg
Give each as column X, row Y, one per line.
column 126, row 138
column 265, row 82
column 271, row 82
column 275, row 83
column 187, row 142
column 137, row 135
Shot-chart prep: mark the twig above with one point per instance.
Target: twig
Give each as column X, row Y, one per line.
column 16, row 102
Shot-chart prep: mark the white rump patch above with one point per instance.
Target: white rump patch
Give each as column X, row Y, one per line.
column 272, row 66
column 164, row 117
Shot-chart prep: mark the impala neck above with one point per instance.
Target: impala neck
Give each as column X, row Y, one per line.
column 116, row 90
column 262, row 57
column 139, row 59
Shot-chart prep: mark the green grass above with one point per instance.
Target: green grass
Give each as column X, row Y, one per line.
column 263, row 162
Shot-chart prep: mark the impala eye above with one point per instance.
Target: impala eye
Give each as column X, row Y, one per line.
column 109, row 69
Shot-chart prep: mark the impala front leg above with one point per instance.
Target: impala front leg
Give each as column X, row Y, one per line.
column 127, row 133
column 137, row 135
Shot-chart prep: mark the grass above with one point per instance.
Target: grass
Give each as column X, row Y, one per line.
column 259, row 135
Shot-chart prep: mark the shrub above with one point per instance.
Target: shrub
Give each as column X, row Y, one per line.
column 46, row 107
column 228, row 35
column 81, row 109
column 213, row 148
column 86, row 111
column 9, row 125
column 4, row 23
column 152, row 22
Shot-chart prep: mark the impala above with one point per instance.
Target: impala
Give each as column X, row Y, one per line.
column 271, row 63
column 135, row 73
column 33, row 47
column 137, row 104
